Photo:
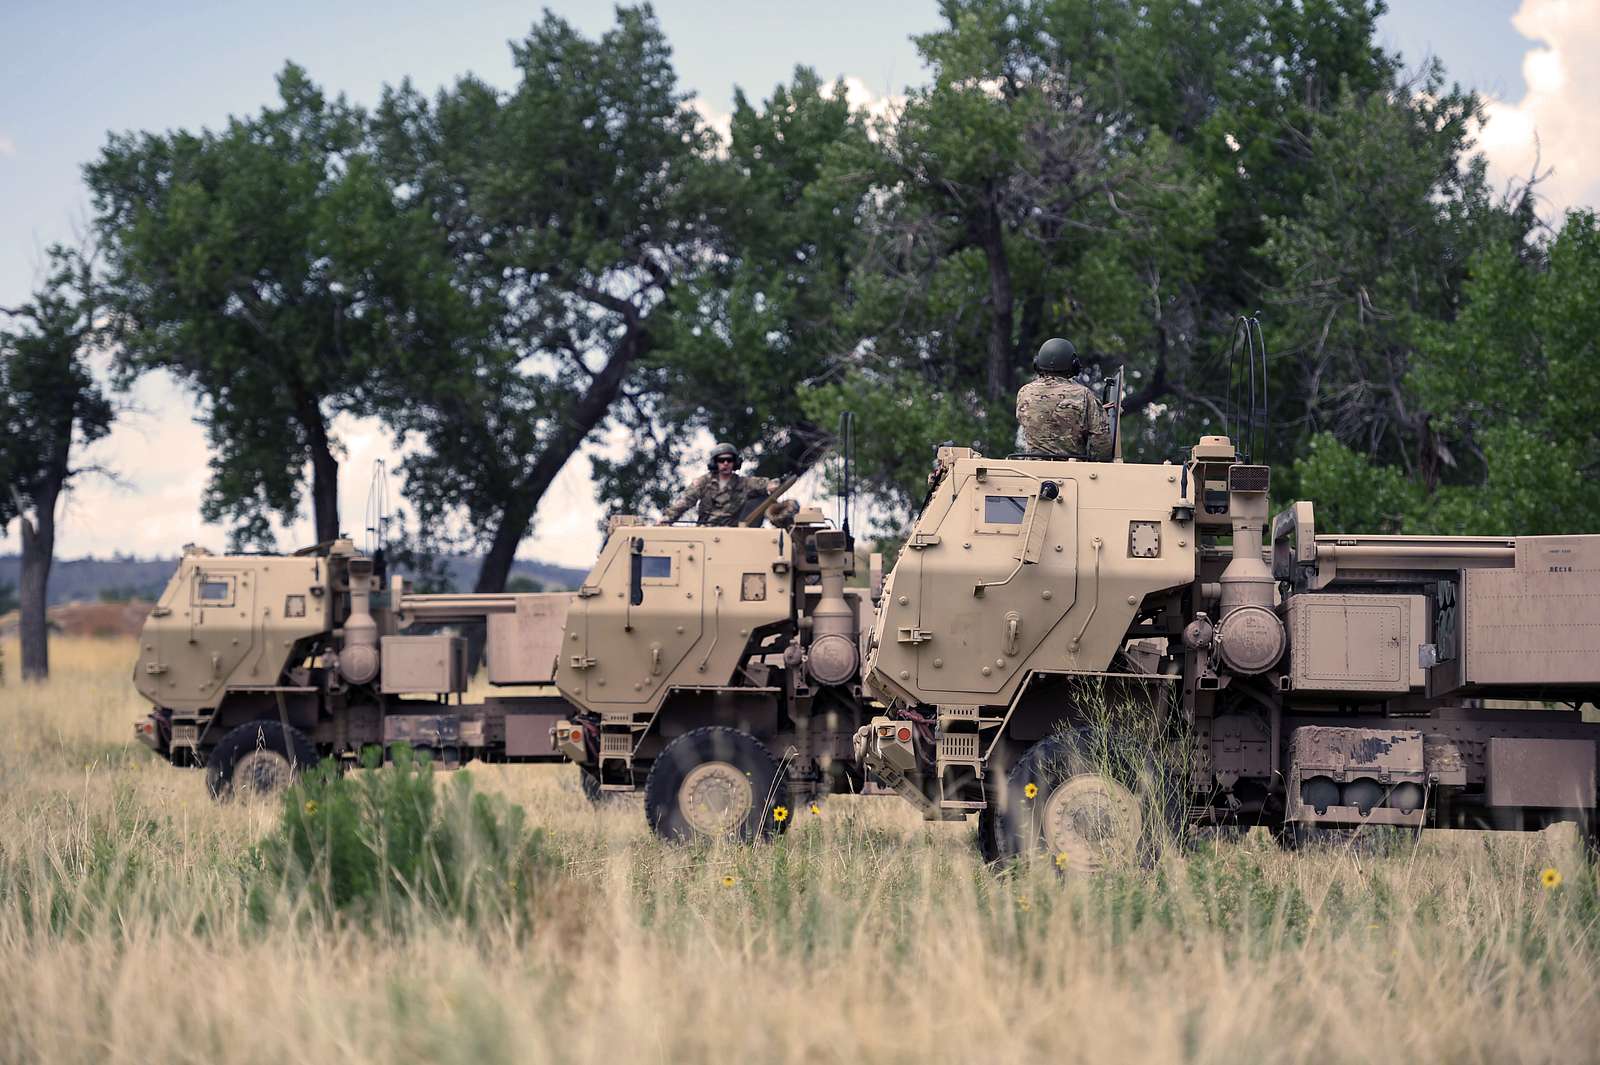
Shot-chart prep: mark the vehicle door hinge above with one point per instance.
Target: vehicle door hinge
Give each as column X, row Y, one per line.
column 921, row 540
column 160, row 612
column 583, row 662
column 911, row 634
column 155, row 669
column 588, row 591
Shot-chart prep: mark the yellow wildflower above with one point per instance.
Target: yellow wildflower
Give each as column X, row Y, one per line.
column 1550, row 878
column 1061, row 860
column 311, row 806
column 1030, row 789
column 816, row 811
column 729, row 881
column 1024, row 903
column 780, row 814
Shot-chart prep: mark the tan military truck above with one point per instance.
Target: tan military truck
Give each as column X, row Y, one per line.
column 716, row 668
column 259, row 665
column 1051, row 624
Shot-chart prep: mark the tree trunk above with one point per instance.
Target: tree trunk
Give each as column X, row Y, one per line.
column 585, row 415
column 38, row 551
column 324, row 469
column 1000, row 377
column 508, row 536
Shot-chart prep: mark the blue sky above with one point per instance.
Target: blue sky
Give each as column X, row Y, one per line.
column 71, row 71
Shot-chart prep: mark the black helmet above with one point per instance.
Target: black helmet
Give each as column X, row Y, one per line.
column 1057, row 355
column 720, row 450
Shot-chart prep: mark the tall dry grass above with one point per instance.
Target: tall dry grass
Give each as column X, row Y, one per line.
column 126, row 934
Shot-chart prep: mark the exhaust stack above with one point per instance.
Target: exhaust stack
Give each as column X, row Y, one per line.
column 358, row 656
column 832, row 657
column 1250, row 636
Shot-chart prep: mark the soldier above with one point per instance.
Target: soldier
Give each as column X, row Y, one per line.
column 721, row 494
column 1059, row 415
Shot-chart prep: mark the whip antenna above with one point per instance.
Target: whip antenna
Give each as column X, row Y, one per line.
column 377, row 520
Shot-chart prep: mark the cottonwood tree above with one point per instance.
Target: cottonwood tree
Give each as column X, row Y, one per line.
column 571, row 206
column 756, row 321
column 1134, row 177
column 1373, row 265
column 268, row 267
column 1506, row 391
column 50, row 408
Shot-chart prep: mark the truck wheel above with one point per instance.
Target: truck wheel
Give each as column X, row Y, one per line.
column 258, row 758
column 1088, row 814
column 716, row 783
column 989, row 846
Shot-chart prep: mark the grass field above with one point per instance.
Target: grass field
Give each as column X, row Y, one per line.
column 127, row 934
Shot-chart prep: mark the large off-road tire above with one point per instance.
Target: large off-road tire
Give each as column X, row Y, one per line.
column 989, row 847
column 1090, row 807
column 716, row 783
column 258, row 758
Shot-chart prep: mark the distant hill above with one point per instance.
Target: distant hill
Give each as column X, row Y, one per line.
column 86, row 579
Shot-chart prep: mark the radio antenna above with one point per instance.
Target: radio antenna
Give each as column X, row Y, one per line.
column 847, row 462
column 1247, row 392
column 377, row 521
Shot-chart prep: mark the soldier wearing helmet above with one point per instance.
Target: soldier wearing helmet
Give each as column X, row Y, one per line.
column 721, row 495
column 1058, row 414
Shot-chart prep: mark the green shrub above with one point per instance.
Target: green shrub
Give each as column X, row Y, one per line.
column 378, row 845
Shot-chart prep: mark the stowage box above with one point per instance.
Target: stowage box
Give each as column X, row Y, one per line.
column 416, row 665
column 1356, row 643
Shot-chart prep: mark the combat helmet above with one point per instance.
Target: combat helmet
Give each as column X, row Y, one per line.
column 1058, row 355
column 721, row 449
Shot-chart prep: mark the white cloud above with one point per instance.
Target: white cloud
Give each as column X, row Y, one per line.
column 159, row 458
column 1552, row 126
column 872, row 104
column 719, row 122
column 8, row 147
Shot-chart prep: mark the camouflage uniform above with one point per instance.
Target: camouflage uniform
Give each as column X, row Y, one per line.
column 719, row 502
column 1052, row 410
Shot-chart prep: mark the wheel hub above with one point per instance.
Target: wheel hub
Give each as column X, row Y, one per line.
column 715, row 798
column 261, row 772
column 1090, row 823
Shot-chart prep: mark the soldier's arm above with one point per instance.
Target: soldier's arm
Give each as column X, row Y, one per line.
column 1100, row 429
column 678, row 506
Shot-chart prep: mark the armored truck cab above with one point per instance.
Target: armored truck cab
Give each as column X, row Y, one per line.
column 1043, row 606
column 699, row 660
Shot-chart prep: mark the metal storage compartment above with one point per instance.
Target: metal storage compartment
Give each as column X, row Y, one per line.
column 1356, row 643
column 523, row 644
column 423, row 665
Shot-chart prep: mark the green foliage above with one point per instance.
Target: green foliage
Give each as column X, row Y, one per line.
column 757, row 321
column 572, row 206
column 51, row 406
column 50, row 403
column 1350, row 492
column 1505, row 391
column 503, row 274
column 384, row 843
column 269, row 266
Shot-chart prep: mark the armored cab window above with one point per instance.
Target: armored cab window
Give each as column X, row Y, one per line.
column 1004, row 510
column 214, row 591
column 657, row 569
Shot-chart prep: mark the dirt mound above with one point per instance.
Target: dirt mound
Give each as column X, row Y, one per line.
column 88, row 619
